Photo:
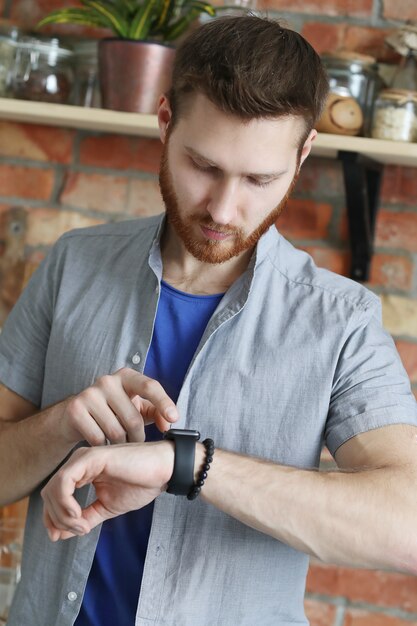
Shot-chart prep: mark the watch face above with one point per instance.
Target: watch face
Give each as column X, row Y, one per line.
column 179, row 432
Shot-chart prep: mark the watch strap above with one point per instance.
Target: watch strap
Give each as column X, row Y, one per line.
column 182, row 479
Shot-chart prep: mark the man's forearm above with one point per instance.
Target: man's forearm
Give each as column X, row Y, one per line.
column 365, row 518
column 30, row 450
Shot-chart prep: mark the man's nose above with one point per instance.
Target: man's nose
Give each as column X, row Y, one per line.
column 224, row 202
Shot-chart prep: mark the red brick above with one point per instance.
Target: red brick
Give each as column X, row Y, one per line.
column 383, row 589
column 120, row 152
column 400, row 9
column 319, row 613
column 356, row 617
column 337, row 261
column 40, row 143
column 144, row 198
column 324, row 37
column 327, row 37
column 44, row 226
column 353, row 8
column 12, row 263
column 305, row 219
column 399, row 185
column 96, row 192
column 370, row 40
column 26, row 182
column 321, row 176
column 408, row 354
column 397, row 230
column 391, row 271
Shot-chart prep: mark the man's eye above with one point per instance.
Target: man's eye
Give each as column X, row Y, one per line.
column 258, row 183
column 204, row 168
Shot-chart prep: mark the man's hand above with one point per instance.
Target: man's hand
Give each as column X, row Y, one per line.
column 116, row 408
column 126, row 477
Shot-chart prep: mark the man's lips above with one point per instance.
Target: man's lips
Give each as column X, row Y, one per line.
column 214, row 234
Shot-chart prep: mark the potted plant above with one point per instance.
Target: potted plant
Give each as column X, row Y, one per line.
column 135, row 65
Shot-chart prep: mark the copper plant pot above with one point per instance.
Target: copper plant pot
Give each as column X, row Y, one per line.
column 133, row 74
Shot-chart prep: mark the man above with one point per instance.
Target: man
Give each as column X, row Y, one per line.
column 240, row 337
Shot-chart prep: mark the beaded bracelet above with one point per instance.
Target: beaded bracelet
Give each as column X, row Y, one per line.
column 196, row 488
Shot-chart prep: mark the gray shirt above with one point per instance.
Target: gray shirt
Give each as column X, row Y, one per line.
column 293, row 357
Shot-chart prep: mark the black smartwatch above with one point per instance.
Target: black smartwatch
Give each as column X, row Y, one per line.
column 182, row 479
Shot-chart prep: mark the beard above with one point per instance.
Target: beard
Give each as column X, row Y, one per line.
column 208, row 250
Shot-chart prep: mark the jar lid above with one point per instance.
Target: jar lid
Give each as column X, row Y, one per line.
column 355, row 61
column 44, row 46
column 401, row 96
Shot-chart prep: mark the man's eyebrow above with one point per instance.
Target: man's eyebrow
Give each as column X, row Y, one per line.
column 197, row 155
column 258, row 176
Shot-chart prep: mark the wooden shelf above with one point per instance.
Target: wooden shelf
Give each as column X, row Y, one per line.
column 379, row 150
column 103, row 120
column 78, row 117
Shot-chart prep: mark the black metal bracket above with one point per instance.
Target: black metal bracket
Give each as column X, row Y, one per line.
column 363, row 178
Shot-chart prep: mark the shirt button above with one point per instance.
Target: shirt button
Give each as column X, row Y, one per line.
column 72, row 596
column 136, row 359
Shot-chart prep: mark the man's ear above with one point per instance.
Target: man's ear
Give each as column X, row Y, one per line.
column 164, row 117
column 306, row 149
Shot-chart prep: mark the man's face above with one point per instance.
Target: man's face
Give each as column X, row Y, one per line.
column 225, row 182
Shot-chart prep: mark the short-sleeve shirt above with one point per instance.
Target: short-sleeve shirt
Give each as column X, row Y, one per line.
column 294, row 357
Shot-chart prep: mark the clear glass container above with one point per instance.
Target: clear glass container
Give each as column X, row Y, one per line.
column 86, row 84
column 405, row 76
column 395, row 115
column 358, row 73
column 42, row 71
column 8, row 36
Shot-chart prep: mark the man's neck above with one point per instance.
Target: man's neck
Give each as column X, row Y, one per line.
column 188, row 274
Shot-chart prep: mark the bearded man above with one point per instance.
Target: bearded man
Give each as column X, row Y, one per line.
column 208, row 320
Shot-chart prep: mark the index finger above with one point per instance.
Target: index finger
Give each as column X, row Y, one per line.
column 137, row 384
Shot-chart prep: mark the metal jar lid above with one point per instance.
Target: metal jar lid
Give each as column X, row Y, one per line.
column 399, row 96
column 50, row 48
column 355, row 62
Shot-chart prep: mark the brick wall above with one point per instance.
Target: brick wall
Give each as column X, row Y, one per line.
column 52, row 180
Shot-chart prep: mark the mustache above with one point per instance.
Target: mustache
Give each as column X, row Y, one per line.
column 207, row 222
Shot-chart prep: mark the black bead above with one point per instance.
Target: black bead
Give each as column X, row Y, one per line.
column 209, row 459
column 206, row 467
column 200, row 482
column 203, row 475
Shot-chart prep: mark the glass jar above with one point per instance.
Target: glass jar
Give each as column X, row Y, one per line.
column 86, row 84
column 395, row 115
column 42, row 71
column 405, row 76
column 358, row 73
column 342, row 114
column 8, row 36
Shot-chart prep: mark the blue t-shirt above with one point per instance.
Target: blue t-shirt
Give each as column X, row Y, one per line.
column 113, row 585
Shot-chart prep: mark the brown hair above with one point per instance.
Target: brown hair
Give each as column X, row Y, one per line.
column 250, row 67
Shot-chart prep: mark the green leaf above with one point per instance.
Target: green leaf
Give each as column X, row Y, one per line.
column 142, row 21
column 181, row 25
column 165, row 13
column 203, row 7
column 72, row 16
column 109, row 12
column 126, row 7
